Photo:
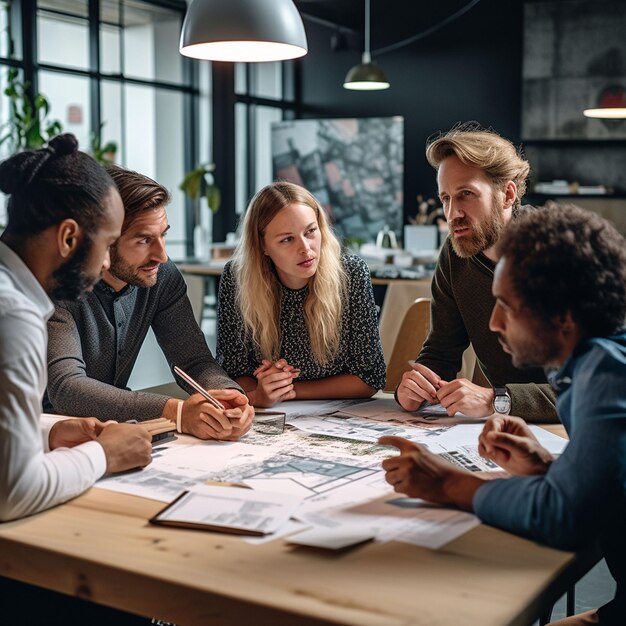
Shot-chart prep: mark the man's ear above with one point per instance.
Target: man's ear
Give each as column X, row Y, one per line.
column 510, row 194
column 69, row 237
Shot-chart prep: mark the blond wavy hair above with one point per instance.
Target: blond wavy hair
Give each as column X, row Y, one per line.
column 483, row 148
column 258, row 290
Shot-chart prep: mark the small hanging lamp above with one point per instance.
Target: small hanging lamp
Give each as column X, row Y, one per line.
column 367, row 75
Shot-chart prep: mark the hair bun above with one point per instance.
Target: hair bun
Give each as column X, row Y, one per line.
column 63, row 144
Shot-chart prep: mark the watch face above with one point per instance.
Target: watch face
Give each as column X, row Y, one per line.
column 502, row 404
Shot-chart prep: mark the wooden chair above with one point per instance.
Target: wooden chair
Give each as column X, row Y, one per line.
column 413, row 331
column 409, row 340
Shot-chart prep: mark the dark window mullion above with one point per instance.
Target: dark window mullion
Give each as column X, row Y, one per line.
column 29, row 44
column 94, row 66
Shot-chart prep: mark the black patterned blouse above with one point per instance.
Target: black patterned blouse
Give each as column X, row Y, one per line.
column 360, row 352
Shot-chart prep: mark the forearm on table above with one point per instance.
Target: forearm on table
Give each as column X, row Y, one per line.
column 87, row 397
column 534, row 402
column 333, row 387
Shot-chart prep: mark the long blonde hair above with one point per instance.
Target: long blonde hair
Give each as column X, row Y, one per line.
column 258, row 290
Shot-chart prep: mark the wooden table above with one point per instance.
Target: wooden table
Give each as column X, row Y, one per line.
column 100, row 547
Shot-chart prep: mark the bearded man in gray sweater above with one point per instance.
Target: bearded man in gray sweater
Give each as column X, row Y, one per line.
column 481, row 178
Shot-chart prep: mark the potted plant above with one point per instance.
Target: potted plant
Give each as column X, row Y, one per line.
column 104, row 154
column 28, row 127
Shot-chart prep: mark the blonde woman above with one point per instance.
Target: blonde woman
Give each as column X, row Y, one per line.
column 296, row 317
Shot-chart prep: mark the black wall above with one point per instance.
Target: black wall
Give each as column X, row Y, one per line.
column 469, row 70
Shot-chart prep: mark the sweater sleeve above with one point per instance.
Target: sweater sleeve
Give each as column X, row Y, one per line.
column 443, row 349
column 182, row 341
column 535, row 402
column 72, row 392
column 364, row 352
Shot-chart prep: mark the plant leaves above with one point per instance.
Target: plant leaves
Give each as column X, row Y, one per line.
column 213, row 197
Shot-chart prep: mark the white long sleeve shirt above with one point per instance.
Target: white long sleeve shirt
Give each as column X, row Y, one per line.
column 32, row 478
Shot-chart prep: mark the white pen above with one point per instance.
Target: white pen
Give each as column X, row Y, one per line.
column 203, row 392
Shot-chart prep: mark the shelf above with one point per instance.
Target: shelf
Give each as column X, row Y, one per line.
column 583, row 143
column 598, row 196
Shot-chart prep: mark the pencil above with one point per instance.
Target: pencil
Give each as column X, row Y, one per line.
column 203, row 392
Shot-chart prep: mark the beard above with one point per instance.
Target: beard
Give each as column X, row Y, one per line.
column 542, row 349
column 484, row 234
column 71, row 280
column 130, row 274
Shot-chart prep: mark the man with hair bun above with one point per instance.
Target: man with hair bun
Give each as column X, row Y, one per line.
column 63, row 214
column 481, row 178
column 560, row 303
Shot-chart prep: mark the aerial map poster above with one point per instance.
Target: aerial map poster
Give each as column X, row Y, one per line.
column 354, row 167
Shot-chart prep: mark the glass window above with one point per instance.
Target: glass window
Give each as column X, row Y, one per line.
column 152, row 142
column 10, row 46
column 69, row 103
column 241, row 157
column 264, row 117
column 110, row 43
column 268, row 80
column 5, row 112
column 111, row 113
column 141, row 39
column 241, row 79
column 62, row 40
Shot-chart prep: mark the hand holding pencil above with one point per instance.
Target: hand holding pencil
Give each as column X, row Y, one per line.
column 222, row 414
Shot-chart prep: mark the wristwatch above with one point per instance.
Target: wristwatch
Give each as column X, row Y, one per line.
column 501, row 400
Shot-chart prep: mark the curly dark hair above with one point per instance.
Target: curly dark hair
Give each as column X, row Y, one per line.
column 563, row 258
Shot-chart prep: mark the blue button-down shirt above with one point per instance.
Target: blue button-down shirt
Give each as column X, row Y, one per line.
column 582, row 497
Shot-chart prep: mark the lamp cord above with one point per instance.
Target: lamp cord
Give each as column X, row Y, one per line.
column 414, row 38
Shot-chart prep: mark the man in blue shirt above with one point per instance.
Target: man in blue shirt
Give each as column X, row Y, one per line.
column 560, row 288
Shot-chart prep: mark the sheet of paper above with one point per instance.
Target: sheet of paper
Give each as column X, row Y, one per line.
column 177, row 468
column 232, row 508
column 363, row 429
column 393, row 517
column 331, row 538
column 551, row 442
column 299, row 408
column 387, row 409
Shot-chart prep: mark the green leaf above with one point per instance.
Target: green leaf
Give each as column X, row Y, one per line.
column 213, row 197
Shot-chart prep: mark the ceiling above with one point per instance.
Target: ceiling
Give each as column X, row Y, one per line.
column 390, row 19
column 394, row 20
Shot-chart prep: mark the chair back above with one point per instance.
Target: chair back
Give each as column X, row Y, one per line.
column 412, row 334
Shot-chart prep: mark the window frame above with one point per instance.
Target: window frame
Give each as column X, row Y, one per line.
column 24, row 25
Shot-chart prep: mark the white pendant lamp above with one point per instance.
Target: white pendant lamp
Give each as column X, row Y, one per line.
column 243, row 31
column 367, row 75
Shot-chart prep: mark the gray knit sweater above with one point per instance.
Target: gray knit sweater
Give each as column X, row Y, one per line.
column 461, row 306
column 94, row 342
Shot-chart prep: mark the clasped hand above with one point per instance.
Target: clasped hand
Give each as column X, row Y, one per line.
column 420, row 384
column 274, row 383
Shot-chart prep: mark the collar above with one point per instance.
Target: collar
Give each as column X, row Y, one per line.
column 25, row 281
column 560, row 378
column 108, row 291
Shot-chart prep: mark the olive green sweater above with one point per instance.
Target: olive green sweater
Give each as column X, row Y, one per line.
column 460, row 310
